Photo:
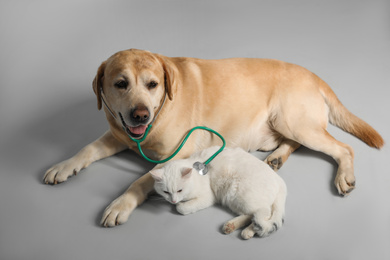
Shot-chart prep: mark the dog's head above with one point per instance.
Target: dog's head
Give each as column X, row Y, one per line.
column 134, row 83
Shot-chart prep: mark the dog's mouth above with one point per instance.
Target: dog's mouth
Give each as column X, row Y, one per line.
column 136, row 132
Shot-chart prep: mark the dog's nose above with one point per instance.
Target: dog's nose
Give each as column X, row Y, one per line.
column 140, row 114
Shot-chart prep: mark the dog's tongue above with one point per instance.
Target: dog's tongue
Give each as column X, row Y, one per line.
column 138, row 130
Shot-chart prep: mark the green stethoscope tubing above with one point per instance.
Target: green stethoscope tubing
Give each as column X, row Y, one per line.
column 138, row 141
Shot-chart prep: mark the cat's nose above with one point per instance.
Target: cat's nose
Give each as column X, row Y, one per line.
column 174, row 201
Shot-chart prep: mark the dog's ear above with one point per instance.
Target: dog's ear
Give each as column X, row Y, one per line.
column 170, row 75
column 97, row 84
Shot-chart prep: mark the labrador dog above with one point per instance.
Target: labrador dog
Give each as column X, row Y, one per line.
column 256, row 104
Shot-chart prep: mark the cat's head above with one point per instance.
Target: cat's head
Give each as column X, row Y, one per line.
column 173, row 183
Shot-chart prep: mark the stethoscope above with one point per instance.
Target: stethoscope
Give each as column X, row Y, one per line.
column 201, row 167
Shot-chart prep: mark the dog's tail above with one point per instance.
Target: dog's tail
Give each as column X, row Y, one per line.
column 341, row 117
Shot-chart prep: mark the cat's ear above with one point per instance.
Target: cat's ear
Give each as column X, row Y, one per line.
column 186, row 173
column 157, row 174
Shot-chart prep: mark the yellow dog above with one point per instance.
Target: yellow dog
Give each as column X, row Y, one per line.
column 256, row 104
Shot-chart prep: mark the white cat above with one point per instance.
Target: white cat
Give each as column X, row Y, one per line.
column 236, row 179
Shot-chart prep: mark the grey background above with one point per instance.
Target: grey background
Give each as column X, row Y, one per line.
column 50, row 51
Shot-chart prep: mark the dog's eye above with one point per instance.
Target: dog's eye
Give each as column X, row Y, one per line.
column 122, row 84
column 152, row 84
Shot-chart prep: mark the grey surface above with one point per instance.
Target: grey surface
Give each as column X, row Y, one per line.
column 50, row 51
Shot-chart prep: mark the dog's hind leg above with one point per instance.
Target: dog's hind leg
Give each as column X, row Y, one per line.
column 303, row 117
column 318, row 139
column 278, row 157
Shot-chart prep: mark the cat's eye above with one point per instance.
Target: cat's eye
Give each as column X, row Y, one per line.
column 166, row 192
column 179, row 190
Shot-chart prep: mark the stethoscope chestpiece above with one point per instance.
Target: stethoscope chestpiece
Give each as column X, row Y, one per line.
column 201, row 168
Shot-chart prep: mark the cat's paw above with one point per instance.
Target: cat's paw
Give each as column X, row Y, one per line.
column 236, row 223
column 248, row 232
column 228, row 227
column 183, row 209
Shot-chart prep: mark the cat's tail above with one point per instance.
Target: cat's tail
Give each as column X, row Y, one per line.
column 265, row 225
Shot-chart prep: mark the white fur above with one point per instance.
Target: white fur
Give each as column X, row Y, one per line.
column 236, row 179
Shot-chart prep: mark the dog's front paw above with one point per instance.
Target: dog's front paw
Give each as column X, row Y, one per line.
column 118, row 211
column 62, row 171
